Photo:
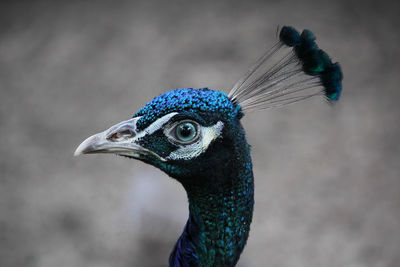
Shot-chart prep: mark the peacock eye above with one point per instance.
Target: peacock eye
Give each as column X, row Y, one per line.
column 185, row 131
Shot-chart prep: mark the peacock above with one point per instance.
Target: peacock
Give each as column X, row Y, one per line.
column 195, row 136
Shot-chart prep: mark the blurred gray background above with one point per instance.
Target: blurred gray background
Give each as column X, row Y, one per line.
column 327, row 177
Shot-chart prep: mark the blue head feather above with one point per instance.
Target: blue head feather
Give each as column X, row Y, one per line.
column 191, row 100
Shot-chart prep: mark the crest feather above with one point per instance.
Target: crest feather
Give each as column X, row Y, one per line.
column 293, row 69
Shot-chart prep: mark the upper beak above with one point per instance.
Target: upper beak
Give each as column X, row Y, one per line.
column 119, row 139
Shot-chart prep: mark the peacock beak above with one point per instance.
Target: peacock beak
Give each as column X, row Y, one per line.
column 120, row 139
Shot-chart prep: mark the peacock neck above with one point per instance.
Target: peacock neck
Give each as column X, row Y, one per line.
column 222, row 217
column 219, row 218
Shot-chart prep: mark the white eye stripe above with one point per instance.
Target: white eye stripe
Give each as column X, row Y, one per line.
column 155, row 125
column 207, row 135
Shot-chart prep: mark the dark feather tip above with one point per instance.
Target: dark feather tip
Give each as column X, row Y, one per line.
column 307, row 36
column 332, row 81
column 289, row 36
column 315, row 61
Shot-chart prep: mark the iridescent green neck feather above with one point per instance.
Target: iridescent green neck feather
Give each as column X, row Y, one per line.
column 221, row 200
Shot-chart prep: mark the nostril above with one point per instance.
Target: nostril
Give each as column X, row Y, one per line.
column 114, row 136
column 121, row 135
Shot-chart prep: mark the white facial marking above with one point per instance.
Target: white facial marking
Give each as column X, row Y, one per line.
column 155, row 125
column 207, row 135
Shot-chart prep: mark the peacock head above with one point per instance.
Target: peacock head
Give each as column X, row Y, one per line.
column 187, row 132
column 183, row 132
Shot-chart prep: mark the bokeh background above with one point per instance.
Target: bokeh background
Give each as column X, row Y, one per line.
column 327, row 177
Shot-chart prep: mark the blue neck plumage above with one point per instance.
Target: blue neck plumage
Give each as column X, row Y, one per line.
column 219, row 215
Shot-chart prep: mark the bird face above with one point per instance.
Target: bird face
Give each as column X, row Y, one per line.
column 183, row 132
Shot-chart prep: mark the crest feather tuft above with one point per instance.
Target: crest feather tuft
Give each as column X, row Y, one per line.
column 292, row 70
